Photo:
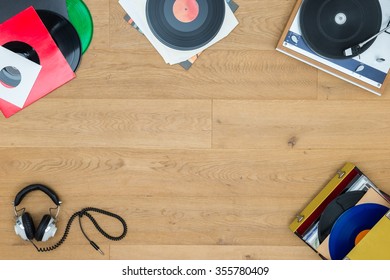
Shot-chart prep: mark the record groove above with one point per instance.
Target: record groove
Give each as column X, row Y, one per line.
column 185, row 24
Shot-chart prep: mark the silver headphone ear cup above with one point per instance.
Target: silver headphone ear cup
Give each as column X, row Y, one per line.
column 19, row 229
column 50, row 231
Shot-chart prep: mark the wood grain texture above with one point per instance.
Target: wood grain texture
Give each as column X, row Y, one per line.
column 332, row 88
column 211, row 163
column 120, row 123
column 223, row 198
column 131, row 252
column 301, row 124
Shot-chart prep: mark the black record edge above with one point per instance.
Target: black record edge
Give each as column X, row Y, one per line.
column 335, row 209
column 64, row 35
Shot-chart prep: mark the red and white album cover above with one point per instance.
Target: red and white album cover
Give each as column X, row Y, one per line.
column 28, row 28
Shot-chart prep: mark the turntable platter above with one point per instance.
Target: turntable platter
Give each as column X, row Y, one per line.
column 331, row 26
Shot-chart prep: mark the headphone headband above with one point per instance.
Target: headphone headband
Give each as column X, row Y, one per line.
column 36, row 187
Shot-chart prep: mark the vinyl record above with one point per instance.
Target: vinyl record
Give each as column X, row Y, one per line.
column 334, row 210
column 350, row 224
column 185, row 24
column 329, row 27
column 64, row 35
column 81, row 19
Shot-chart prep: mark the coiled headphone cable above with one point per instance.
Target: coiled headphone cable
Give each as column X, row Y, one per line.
column 80, row 214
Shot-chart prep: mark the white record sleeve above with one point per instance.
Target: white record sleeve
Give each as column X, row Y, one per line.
column 29, row 73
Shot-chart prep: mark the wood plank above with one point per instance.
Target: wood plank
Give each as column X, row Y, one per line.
column 80, row 172
column 69, row 252
column 249, row 74
column 184, row 173
column 301, row 124
column 332, row 88
column 114, row 123
column 138, row 252
column 100, row 11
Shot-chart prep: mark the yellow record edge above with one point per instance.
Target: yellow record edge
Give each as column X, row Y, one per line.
column 325, row 192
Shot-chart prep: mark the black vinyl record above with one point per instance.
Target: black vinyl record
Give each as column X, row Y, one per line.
column 331, row 26
column 185, row 24
column 334, row 210
column 64, row 35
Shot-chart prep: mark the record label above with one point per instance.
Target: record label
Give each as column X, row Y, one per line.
column 186, row 10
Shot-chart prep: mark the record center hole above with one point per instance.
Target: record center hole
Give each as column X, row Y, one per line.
column 340, row 18
column 10, row 77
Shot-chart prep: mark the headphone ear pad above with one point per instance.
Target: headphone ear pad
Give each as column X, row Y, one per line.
column 42, row 227
column 28, row 225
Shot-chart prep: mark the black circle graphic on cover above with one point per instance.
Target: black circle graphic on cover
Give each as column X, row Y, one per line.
column 185, row 24
column 334, row 210
column 64, row 35
column 331, row 26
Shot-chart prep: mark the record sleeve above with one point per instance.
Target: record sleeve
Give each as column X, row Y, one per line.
column 375, row 244
column 17, row 93
column 28, row 28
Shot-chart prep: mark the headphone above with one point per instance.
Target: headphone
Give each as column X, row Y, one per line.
column 24, row 225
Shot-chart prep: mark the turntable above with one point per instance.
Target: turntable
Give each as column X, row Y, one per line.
column 349, row 39
column 348, row 219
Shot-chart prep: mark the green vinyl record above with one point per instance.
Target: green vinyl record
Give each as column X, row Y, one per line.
column 81, row 19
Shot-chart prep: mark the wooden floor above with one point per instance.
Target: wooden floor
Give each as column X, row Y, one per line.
column 211, row 163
